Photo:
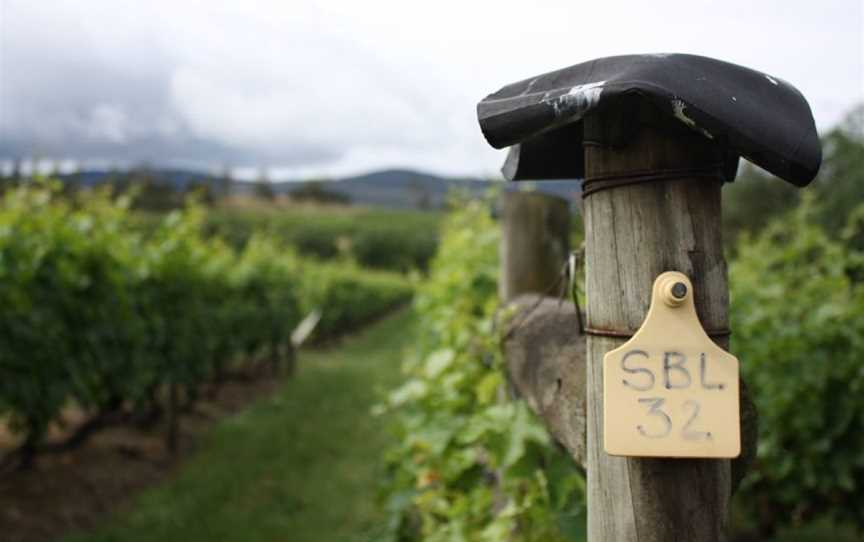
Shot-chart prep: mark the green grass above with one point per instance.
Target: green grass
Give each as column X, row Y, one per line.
column 302, row 465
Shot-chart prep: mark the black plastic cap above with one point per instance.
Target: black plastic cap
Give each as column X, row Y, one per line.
column 751, row 114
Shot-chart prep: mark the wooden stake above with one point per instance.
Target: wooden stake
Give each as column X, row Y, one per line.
column 632, row 234
column 535, row 230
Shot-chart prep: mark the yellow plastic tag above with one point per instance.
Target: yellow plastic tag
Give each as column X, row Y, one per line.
column 670, row 391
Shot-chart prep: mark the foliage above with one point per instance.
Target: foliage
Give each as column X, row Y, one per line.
column 263, row 189
column 318, row 192
column 840, row 185
column 756, row 197
column 381, row 239
column 349, row 295
column 798, row 318
column 154, row 190
column 753, row 200
column 62, row 284
column 469, row 465
column 98, row 312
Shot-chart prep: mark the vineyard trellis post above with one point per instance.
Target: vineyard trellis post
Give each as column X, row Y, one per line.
column 654, row 137
column 535, row 231
column 632, row 234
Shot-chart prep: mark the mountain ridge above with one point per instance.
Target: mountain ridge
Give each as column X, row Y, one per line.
column 395, row 188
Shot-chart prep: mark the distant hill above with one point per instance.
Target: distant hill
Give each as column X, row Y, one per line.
column 179, row 179
column 412, row 189
column 395, row 188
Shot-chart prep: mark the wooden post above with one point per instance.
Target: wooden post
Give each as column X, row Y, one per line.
column 634, row 232
column 535, row 230
column 546, row 366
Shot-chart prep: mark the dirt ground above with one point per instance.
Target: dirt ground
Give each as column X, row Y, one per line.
column 75, row 490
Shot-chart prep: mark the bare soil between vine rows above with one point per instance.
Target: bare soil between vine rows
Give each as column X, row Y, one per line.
column 75, row 490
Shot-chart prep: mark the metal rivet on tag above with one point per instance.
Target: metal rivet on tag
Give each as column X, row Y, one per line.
column 673, row 291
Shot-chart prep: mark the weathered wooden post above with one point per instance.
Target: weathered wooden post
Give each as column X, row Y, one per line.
column 634, row 232
column 660, row 134
column 534, row 242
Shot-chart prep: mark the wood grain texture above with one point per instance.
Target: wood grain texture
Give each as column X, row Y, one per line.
column 535, row 230
column 545, row 357
column 634, row 233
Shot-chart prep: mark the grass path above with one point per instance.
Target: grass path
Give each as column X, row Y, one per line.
column 302, row 465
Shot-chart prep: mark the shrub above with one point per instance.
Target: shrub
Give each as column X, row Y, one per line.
column 798, row 322
column 348, row 295
column 106, row 312
column 380, row 239
column 469, row 466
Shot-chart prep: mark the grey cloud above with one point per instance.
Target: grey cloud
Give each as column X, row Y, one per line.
column 60, row 98
column 350, row 86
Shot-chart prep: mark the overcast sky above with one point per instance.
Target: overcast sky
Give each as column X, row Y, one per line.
column 340, row 87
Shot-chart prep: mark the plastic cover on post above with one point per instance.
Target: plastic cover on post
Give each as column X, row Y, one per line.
column 750, row 113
